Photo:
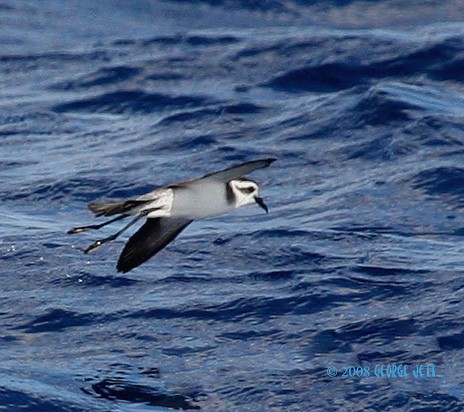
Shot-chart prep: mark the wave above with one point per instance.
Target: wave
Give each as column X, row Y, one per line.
column 120, row 390
column 438, row 61
column 131, row 102
column 445, row 184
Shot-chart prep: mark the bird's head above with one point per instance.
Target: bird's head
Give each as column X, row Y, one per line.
column 246, row 192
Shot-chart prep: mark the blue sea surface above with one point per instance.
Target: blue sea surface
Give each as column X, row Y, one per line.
column 359, row 265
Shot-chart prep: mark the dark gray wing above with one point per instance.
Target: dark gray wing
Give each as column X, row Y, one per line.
column 240, row 170
column 153, row 236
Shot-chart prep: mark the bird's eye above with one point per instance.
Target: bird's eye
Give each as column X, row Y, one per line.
column 249, row 189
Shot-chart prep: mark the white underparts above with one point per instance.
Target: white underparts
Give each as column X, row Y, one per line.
column 160, row 204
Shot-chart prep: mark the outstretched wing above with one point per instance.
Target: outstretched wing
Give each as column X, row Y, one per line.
column 239, row 171
column 153, row 236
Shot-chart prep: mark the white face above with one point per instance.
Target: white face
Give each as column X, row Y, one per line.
column 246, row 192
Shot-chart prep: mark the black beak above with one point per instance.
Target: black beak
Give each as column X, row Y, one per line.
column 261, row 203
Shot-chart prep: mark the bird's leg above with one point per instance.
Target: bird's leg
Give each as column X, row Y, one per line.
column 101, row 242
column 96, row 227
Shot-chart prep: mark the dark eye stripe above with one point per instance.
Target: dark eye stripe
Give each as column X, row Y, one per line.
column 249, row 189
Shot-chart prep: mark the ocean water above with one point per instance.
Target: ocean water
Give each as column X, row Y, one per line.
column 359, row 265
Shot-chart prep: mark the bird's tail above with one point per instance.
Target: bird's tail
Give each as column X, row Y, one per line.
column 110, row 208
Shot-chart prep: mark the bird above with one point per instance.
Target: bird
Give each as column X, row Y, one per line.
column 170, row 209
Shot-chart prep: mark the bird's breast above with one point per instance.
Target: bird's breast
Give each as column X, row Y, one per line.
column 201, row 200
